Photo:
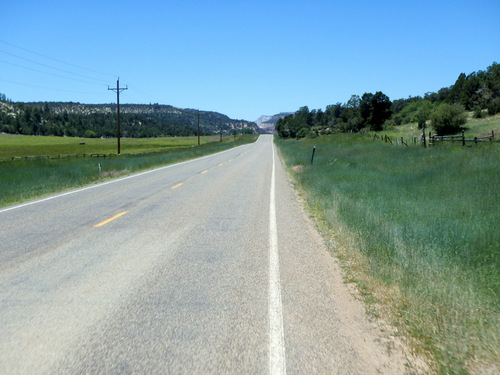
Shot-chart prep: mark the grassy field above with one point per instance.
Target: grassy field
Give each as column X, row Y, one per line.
column 28, row 178
column 24, row 145
column 417, row 230
column 474, row 128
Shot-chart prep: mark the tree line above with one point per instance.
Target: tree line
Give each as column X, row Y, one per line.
column 91, row 121
column 446, row 109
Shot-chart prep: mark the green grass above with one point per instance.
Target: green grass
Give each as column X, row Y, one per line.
column 24, row 145
column 483, row 127
column 423, row 236
column 473, row 128
column 30, row 178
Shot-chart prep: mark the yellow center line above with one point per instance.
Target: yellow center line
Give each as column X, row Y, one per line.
column 176, row 186
column 221, row 164
column 110, row 219
column 204, row 172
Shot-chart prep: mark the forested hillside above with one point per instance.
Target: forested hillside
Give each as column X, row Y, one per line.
column 443, row 110
column 99, row 120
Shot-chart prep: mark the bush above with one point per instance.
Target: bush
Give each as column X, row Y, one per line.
column 478, row 112
column 312, row 134
column 397, row 119
column 494, row 107
column 304, row 132
column 448, row 118
column 9, row 129
column 89, row 134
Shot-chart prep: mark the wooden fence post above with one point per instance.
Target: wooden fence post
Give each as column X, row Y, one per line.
column 423, row 137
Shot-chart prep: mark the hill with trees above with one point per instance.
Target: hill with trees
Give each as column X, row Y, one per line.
column 445, row 110
column 99, row 120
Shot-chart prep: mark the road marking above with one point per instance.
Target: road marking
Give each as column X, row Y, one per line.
column 204, row 172
column 176, row 186
column 221, row 164
column 277, row 363
column 110, row 219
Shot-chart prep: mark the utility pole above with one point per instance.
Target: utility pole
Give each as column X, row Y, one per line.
column 118, row 90
column 198, row 127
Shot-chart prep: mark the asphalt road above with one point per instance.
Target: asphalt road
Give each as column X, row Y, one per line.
column 203, row 267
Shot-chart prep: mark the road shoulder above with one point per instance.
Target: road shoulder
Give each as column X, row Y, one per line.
column 326, row 324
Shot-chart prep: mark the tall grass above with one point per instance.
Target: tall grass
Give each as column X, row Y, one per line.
column 31, row 178
column 426, row 222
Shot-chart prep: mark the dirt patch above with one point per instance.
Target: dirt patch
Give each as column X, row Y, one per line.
column 113, row 173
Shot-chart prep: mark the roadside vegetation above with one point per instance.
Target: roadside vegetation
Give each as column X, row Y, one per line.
column 416, row 229
column 28, row 178
column 444, row 112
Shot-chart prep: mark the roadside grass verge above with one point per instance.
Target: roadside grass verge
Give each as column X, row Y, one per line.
column 417, row 230
column 25, row 179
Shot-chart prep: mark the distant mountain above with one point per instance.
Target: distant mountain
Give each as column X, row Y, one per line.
column 267, row 123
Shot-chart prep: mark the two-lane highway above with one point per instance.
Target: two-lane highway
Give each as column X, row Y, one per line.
column 207, row 266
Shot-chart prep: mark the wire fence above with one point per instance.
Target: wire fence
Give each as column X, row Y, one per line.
column 434, row 139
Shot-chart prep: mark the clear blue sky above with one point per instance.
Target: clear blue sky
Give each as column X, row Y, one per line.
column 241, row 58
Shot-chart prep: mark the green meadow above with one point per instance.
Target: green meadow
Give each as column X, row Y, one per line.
column 26, row 145
column 417, row 230
column 26, row 177
column 474, row 128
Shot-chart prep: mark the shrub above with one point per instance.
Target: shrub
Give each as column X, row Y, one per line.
column 312, row 135
column 304, row 132
column 494, row 107
column 89, row 134
column 478, row 112
column 448, row 118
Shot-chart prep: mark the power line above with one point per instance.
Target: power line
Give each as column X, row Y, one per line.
column 47, row 73
column 68, row 74
column 145, row 95
column 57, row 60
column 47, row 88
column 51, row 67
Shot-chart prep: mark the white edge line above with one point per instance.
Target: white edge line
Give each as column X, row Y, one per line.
column 277, row 358
column 110, row 182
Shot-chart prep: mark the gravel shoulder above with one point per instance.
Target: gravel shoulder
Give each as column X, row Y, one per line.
column 327, row 328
